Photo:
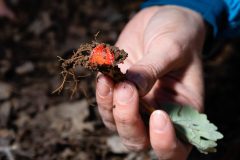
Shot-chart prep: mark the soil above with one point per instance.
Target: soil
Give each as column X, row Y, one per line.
column 93, row 56
column 38, row 125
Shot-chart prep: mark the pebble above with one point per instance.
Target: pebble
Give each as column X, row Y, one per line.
column 25, row 68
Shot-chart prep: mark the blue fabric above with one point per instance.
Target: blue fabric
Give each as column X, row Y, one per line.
column 222, row 15
column 233, row 24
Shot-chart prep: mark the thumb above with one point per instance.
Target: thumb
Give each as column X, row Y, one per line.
column 163, row 138
column 151, row 67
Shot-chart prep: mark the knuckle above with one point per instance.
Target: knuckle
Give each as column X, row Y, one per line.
column 134, row 144
column 105, row 106
column 125, row 119
column 102, row 99
column 153, row 70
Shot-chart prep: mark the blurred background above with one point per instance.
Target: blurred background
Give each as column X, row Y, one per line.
column 38, row 125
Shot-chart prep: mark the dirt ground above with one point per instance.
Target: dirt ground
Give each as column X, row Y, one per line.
column 38, row 125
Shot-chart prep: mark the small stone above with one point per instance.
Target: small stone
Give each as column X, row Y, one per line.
column 25, row 68
column 40, row 24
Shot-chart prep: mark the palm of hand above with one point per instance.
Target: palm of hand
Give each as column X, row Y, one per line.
column 164, row 50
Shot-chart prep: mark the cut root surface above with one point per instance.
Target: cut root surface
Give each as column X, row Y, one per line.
column 94, row 57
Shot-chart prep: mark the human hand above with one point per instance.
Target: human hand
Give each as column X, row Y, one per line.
column 164, row 45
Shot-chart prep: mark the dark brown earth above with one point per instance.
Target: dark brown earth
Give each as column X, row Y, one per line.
column 38, row 125
column 85, row 56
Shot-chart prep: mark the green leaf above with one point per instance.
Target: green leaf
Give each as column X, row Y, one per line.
column 194, row 127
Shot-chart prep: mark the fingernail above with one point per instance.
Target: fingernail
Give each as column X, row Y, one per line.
column 103, row 89
column 140, row 81
column 124, row 93
column 159, row 121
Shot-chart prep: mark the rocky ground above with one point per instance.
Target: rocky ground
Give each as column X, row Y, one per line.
column 38, row 125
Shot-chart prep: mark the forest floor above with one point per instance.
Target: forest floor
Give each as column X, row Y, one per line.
column 38, row 125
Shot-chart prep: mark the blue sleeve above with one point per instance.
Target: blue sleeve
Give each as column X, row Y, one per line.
column 222, row 15
column 233, row 19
